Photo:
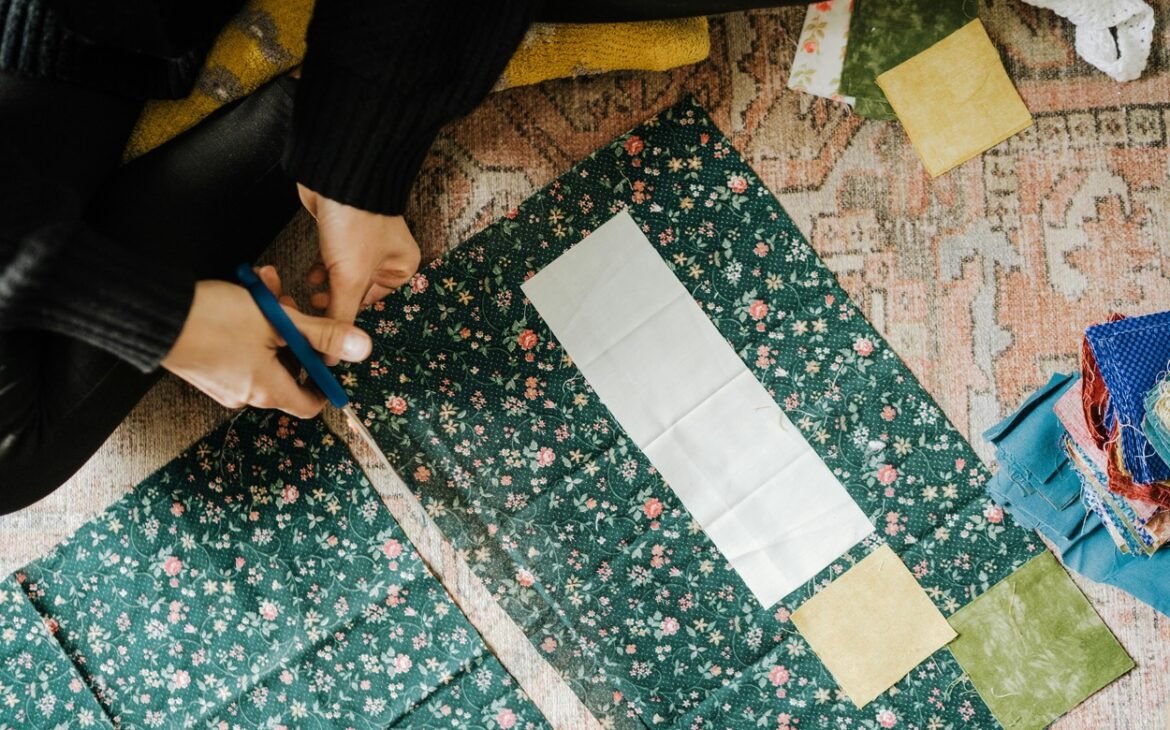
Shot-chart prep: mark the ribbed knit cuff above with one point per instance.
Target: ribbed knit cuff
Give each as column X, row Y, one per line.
column 129, row 306
column 355, row 142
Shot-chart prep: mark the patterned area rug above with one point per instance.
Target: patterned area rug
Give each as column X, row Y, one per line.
column 983, row 280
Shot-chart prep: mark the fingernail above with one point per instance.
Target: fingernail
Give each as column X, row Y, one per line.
column 356, row 345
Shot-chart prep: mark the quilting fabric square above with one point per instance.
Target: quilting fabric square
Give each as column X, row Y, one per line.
column 884, row 34
column 1133, row 355
column 1034, row 647
column 872, row 625
column 955, row 99
column 490, row 422
column 255, row 581
column 820, row 50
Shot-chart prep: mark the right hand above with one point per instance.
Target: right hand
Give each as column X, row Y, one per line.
column 229, row 351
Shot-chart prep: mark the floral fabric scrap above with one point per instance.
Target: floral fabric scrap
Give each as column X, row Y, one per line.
column 256, row 581
column 820, row 51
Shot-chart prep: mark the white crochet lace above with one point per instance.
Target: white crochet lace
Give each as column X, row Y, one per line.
column 1124, row 57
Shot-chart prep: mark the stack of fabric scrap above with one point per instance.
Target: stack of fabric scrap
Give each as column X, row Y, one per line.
column 1084, row 459
column 927, row 63
column 1122, row 362
column 1113, row 35
column 1137, row 525
column 931, row 65
column 884, row 34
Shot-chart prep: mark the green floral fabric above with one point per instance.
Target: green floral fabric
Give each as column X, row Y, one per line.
column 883, row 34
column 39, row 686
column 256, row 581
column 509, row 450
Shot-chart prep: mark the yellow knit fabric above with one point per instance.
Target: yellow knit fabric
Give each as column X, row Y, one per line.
column 267, row 38
column 552, row 51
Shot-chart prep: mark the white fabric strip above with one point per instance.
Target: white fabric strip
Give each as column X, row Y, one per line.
column 675, row 385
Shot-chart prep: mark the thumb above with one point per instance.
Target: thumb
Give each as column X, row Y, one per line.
column 332, row 338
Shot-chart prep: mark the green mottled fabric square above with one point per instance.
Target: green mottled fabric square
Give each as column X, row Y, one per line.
column 1033, row 646
column 256, row 581
column 883, row 34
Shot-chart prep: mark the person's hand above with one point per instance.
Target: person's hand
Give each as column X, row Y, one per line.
column 229, row 351
column 364, row 255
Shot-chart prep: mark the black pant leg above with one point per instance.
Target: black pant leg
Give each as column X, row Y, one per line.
column 213, row 197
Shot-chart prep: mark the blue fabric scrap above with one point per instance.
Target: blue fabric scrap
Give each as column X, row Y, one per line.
column 1133, row 355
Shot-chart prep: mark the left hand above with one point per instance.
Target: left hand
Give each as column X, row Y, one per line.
column 364, row 255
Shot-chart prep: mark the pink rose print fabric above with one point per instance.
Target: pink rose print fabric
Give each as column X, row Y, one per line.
column 820, row 50
column 256, row 581
column 39, row 686
column 584, row 545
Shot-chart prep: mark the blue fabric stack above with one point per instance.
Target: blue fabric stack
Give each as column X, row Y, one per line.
column 1037, row 484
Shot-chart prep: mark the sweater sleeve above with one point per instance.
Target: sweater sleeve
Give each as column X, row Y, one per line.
column 380, row 78
column 58, row 275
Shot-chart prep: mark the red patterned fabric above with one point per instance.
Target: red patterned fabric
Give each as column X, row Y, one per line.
column 1094, row 392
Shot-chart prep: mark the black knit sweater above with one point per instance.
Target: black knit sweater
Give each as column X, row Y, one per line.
column 380, row 78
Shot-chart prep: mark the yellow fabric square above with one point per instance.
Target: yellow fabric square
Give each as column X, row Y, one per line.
column 872, row 625
column 955, row 99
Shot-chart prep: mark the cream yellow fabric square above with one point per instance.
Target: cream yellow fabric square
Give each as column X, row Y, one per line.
column 955, row 99
column 872, row 625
